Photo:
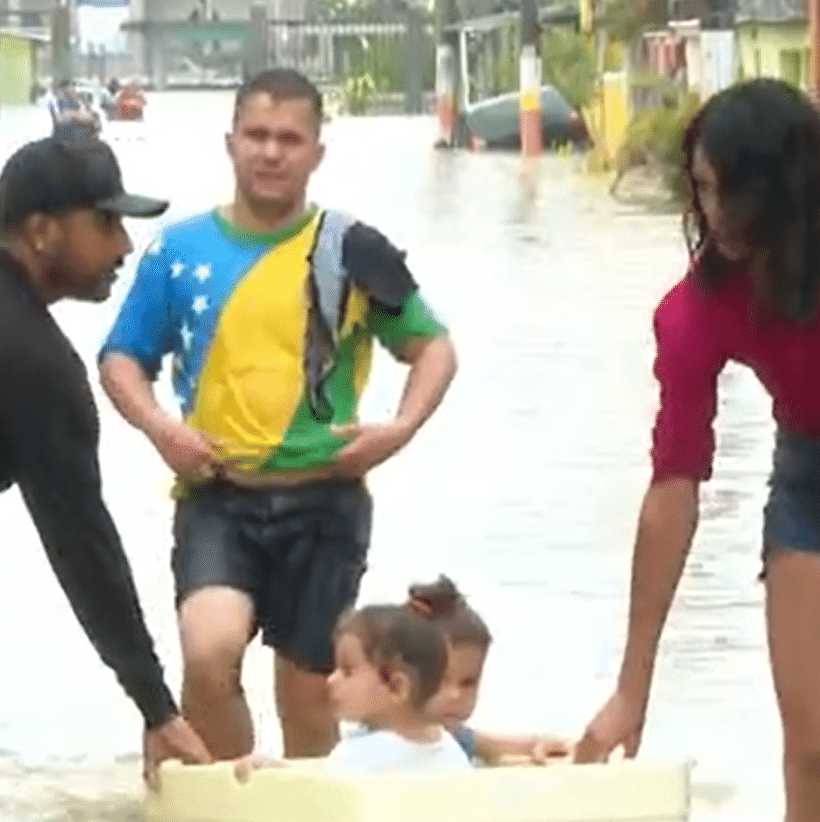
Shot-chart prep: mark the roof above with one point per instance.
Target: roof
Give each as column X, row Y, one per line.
column 548, row 15
column 24, row 34
column 693, row 9
column 771, row 11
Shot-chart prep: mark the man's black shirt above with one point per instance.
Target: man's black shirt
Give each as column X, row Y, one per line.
column 49, row 436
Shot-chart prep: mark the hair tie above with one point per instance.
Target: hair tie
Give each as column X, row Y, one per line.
column 419, row 606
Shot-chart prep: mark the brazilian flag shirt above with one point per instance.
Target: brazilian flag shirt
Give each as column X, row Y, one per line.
column 231, row 308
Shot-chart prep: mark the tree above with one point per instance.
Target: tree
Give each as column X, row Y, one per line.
column 625, row 20
column 568, row 64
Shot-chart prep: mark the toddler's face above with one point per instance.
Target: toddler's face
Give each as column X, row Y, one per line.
column 455, row 701
column 357, row 692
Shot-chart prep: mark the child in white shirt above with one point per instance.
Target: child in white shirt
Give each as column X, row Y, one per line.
column 390, row 661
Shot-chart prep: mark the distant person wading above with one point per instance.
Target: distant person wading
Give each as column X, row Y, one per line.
column 71, row 118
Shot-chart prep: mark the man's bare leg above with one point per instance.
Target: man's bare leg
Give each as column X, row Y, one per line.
column 214, row 627
column 309, row 728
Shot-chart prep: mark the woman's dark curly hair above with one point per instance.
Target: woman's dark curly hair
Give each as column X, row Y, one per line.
column 762, row 137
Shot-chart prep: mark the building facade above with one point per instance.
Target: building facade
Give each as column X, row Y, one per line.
column 773, row 40
column 18, row 66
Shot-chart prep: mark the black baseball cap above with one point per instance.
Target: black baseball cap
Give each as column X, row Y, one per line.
column 53, row 176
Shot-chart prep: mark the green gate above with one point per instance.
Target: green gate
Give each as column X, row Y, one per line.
column 370, row 62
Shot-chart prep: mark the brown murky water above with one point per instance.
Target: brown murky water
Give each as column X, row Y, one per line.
column 524, row 488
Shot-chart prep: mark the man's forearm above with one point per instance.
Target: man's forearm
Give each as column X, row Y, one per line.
column 131, row 392
column 432, row 368
column 58, row 475
column 93, row 571
column 666, row 527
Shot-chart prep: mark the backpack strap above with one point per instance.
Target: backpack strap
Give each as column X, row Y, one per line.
column 327, row 271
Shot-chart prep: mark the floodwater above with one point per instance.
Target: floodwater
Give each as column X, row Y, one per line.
column 524, row 487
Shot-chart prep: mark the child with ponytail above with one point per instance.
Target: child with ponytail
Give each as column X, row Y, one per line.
column 468, row 641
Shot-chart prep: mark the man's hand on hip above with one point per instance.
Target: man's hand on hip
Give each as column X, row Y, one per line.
column 185, row 450
column 369, row 445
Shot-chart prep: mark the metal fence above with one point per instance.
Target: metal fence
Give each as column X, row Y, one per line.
column 377, row 56
column 374, row 63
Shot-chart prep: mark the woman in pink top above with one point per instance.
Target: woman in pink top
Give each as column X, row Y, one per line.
column 752, row 159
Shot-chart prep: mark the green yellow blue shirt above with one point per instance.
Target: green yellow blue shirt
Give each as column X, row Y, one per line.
column 231, row 309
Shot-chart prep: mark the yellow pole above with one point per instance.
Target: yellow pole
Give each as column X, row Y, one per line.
column 814, row 46
column 585, row 16
column 596, row 111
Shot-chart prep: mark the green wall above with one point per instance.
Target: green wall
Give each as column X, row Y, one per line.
column 774, row 50
column 16, row 68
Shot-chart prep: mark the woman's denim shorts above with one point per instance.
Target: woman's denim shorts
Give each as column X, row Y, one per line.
column 791, row 517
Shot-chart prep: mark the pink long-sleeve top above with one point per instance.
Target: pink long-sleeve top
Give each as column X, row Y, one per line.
column 698, row 329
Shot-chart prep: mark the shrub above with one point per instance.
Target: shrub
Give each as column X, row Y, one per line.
column 357, row 93
column 654, row 138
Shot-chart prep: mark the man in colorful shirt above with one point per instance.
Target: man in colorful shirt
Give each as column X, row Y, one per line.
column 271, row 352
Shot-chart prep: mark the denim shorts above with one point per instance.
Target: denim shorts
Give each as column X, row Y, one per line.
column 791, row 517
column 300, row 553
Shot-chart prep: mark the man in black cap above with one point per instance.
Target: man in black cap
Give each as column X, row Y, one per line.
column 61, row 235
